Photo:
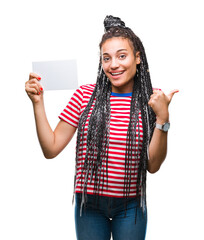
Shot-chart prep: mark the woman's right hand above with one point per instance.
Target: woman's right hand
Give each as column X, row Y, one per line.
column 34, row 88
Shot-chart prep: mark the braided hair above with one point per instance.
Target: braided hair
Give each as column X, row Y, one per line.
column 97, row 134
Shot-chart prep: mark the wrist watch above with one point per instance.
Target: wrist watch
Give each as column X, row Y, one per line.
column 164, row 127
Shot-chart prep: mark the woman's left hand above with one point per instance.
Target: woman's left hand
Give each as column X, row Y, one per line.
column 159, row 102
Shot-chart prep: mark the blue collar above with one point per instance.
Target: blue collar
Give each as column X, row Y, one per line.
column 121, row 94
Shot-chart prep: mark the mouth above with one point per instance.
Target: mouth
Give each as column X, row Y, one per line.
column 116, row 74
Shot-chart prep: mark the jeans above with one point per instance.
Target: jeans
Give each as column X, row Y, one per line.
column 98, row 222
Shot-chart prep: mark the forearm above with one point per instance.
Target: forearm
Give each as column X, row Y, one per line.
column 157, row 150
column 159, row 102
column 44, row 131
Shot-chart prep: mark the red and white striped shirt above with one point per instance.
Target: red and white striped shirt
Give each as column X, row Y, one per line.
column 119, row 121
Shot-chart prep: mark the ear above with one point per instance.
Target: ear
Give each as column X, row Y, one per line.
column 137, row 57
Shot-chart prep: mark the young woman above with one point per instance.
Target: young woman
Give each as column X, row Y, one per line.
column 122, row 132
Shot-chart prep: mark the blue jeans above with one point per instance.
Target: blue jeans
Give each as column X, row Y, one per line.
column 98, row 222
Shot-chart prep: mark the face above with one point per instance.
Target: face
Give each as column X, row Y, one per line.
column 119, row 63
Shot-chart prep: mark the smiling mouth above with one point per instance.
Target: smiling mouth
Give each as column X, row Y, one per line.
column 116, row 73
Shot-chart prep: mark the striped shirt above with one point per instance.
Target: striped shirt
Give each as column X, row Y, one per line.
column 120, row 117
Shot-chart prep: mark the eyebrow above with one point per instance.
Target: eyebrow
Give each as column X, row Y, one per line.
column 120, row 50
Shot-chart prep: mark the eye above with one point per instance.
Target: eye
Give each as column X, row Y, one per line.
column 106, row 59
column 122, row 56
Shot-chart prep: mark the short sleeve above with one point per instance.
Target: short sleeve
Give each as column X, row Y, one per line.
column 72, row 111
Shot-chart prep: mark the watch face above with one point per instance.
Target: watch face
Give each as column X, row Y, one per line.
column 166, row 127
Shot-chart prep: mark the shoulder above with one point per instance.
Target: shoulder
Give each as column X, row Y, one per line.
column 87, row 87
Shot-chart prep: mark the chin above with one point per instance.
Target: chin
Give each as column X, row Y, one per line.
column 117, row 85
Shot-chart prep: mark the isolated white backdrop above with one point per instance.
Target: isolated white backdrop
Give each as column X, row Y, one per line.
column 35, row 193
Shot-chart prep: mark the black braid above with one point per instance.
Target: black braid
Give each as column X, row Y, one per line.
column 97, row 139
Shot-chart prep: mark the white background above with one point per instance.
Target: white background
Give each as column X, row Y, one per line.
column 35, row 193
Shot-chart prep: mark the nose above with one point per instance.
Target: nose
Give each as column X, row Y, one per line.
column 114, row 63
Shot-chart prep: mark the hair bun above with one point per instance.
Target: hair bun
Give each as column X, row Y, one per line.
column 111, row 21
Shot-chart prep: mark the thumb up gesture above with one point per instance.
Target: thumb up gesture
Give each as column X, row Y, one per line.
column 159, row 102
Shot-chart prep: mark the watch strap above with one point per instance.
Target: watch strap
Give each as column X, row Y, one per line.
column 159, row 126
column 164, row 127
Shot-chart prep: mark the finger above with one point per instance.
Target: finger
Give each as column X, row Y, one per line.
column 35, row 81
column 155, row 95
column 34, row 75
column 34, row 86
column 156, row 90
column 150, row 102
column 171, row 94
column 31, row 90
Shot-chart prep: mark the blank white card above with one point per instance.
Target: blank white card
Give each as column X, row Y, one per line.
column 57, row 75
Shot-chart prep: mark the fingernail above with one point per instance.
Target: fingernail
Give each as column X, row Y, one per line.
column 39, row 93
column 39, row 78
column 41, row 89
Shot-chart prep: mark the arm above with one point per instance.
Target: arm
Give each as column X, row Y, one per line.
column 157, row 150
column 158, row 145
column 52, row 143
